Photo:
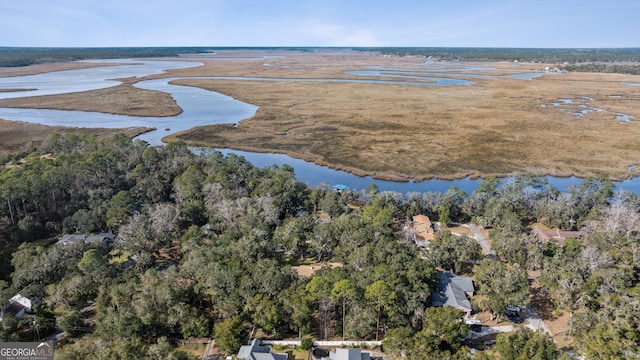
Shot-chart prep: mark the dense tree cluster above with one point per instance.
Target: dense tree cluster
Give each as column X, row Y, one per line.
column 200, row 240
column 23, row 56
column 525, row 344
column 546, row 55
column 204, row 246
column 604, row 68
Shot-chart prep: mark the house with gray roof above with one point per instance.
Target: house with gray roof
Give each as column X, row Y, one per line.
column 68, row 239
column 348, row 354
column 454, row 291
column 255, row 351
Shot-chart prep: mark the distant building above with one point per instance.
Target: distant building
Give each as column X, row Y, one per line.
column 454, row 291
column 422, row 230
column 255, row 351
column 340, row 187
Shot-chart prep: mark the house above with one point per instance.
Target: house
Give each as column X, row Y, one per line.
column 18, row 306
column 559, row 236
column 454, row 291
column 340, row 187
column 255, row 351
column 422, row 230
column 68, row 239
column 348, row 354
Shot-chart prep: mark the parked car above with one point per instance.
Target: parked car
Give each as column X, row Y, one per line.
column 514, row 317
column 513, row 308
column 474, row 325
column 320, row 353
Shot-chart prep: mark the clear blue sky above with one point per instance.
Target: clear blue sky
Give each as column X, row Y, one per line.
column 465, row 23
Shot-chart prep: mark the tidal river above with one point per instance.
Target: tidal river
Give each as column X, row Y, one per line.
column 202, row 107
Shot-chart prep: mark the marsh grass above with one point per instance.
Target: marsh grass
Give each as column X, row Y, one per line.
column 122, row 99
column 495, row 127
column 15, row 135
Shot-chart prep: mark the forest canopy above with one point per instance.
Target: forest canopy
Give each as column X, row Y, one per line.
column 207, row 246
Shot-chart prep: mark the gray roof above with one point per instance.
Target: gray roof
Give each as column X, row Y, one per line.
column 68, row 239
column 464, row 283
column 457, row 297
column 446, row 277
column 255, row 351
column 348, row 354
column 15, row 308
column 452, row 291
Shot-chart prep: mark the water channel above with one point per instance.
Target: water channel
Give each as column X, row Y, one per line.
column 202, row 107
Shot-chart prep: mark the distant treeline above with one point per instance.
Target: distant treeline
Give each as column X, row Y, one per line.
column 572, row 56
column 588, row 60
column 24, row 56
column 17, row 56
column 604, row 68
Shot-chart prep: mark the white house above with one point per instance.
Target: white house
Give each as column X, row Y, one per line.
column 17, row 307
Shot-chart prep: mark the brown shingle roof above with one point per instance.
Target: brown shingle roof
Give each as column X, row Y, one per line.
column 558, row 235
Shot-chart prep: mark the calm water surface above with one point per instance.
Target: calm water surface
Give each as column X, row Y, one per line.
column 314, row 175
column 62, row 82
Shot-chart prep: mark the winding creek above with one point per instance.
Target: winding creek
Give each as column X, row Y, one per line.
column 202, row 107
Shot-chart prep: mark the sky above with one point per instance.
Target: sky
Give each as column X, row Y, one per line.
column 349, row 23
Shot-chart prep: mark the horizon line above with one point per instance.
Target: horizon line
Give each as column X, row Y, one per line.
column 318, row 47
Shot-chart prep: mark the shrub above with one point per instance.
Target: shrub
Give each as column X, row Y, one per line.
column 306, row 344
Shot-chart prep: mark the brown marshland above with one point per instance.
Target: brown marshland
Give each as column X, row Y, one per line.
column 497, row 126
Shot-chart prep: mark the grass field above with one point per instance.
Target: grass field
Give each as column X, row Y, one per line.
column 495, row 127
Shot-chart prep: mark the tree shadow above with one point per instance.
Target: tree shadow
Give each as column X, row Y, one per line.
column 542, row 304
